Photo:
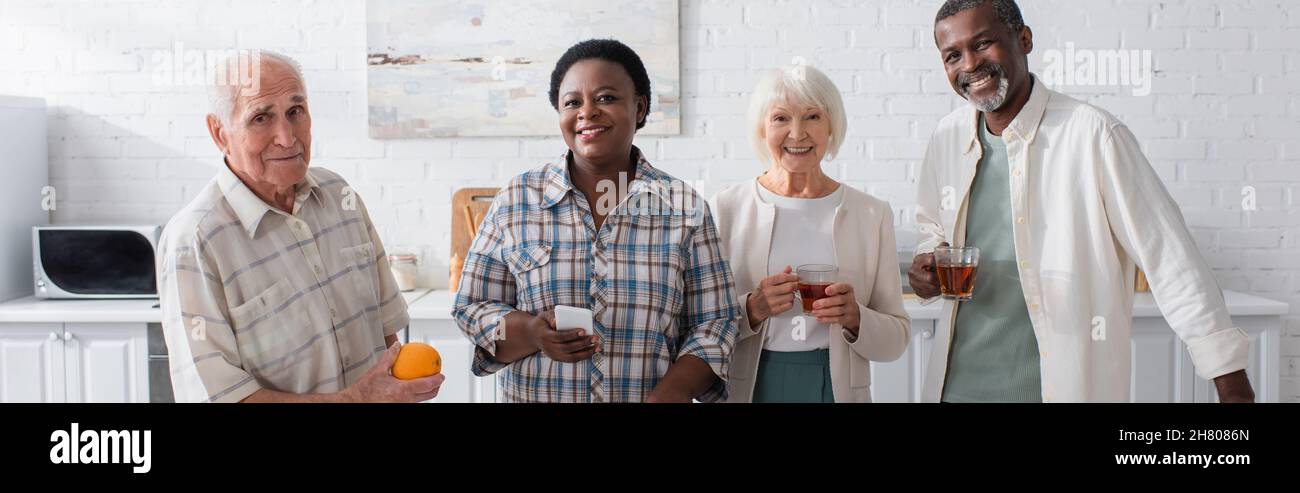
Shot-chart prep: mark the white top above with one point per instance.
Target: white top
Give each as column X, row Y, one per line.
column 801, row 234
column 1087, row 208
column 867, row 257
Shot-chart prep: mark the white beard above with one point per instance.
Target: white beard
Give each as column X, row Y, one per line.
column 994, row 102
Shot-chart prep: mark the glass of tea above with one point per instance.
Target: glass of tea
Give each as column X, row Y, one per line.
column 813, row 281
column 956, row 268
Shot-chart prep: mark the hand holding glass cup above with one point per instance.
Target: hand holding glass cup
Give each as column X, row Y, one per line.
column 956, row 268
column 813, row 281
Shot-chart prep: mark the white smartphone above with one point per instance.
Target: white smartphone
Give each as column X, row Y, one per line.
column 569, row 317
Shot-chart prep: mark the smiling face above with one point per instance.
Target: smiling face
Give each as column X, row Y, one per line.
column 267, row 140
column 796, row 135
column 985, row 61
column 599, row 110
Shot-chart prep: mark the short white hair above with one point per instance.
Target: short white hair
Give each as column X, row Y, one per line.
column 800, row 84
column 224, row 90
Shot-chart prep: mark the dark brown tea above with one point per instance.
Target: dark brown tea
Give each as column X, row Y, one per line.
column 956, row 281
column 810, row 293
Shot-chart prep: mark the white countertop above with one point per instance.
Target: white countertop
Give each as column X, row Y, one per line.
column 1239, row 305
column 33, row 310
column 427, row 304
column 435, row 306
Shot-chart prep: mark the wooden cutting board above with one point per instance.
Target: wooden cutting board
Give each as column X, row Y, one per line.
column 468, row 207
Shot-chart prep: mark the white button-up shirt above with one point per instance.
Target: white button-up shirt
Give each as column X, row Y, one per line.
column 253, row 297
column 1088, row 210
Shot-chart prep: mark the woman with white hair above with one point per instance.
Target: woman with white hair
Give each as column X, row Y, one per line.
column 818, row 350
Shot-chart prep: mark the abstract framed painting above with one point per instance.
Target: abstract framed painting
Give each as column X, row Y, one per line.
column 481, row 68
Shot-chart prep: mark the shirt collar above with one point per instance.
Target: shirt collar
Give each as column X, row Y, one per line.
column 647, row 179
column 249, row 208
column 1025, row 124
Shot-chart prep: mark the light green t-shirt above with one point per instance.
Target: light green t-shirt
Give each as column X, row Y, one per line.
column 994, row 354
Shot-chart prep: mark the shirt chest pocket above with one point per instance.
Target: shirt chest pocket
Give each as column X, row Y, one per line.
column 272, row 325
column 529, row 266
column 362, row 275
column 660, row 266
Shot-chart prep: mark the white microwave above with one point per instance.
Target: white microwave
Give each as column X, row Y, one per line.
column 95, row 261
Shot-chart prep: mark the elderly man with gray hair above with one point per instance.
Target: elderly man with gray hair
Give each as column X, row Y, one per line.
column 1064, row 208
column 274, row 285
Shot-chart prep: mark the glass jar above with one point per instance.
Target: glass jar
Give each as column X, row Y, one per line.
column 406, row 269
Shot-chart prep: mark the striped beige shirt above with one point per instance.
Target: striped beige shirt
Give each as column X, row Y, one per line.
column 256, row 298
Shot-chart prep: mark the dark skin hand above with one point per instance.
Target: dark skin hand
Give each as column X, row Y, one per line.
column 569, row 345
column 1234, row 387
column 527, row 334
column 922, row 276
column 687, row 378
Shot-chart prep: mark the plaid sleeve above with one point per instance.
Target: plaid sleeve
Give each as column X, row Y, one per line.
column 205, row 362
column 711, row 310
column 486, row 293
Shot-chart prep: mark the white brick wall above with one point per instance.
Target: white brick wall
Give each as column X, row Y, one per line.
column 1224, row 111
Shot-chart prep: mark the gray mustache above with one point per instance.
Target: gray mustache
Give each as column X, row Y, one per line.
column 994, row 70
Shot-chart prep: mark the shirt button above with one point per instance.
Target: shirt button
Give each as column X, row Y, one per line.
column 1033, row 306
column 1015, row 172
column 1020, row 220
column 333, row 313
column 1024, row 264
column 317, row 269
column 1043, row 354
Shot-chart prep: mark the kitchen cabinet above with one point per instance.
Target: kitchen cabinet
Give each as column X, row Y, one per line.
column 901, row 380
column 106, row 362
column 74, row 362
column 31, row 363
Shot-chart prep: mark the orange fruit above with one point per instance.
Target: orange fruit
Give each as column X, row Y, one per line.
column 417, row 360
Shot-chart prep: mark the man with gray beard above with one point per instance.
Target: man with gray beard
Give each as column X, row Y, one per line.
column 1064, row 207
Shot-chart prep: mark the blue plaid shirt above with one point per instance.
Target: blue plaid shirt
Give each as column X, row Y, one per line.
column 653, row 276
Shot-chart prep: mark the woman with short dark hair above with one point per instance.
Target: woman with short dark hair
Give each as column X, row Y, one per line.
column 644, row 257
